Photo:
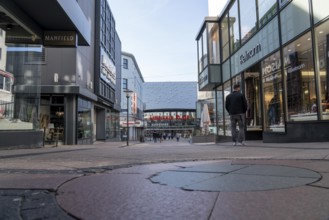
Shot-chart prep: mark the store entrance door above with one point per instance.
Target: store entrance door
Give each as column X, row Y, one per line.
column 252, row 91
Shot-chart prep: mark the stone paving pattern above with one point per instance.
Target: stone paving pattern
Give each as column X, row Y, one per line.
column 168, row 180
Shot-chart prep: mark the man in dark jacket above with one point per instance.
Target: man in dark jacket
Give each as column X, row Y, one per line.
column 236, row 105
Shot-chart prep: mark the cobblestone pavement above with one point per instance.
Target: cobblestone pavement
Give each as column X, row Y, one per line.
column 30, row 179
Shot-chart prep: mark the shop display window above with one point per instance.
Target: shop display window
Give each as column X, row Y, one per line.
column 84, row 125
column 300, row 80
column 322, row 39
column 272, row 90
column 112, row 124
column 19, row 110
column 227, row 121
column 220, row 110
column 252, row 94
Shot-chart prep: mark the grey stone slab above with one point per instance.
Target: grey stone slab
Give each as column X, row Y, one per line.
column 130, row 196
column 180, row 179
column 324, row 182
column 281, row 171
column 301, row 203
column 9, row 208
column 239, row 183
column 33, row 181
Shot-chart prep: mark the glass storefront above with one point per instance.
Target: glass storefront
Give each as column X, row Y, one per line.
column 170, row 122
column 322, row 40
column 227, row 123
column 284, row 73
column 272, row 92
column 300, row 79
column 20, row 72
column 112, row 124
column 252, row 94
column 84, row 124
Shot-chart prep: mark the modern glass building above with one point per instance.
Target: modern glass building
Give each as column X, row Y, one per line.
column 277, row 50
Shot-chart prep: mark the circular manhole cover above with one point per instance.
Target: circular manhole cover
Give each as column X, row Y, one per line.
column 235, row 178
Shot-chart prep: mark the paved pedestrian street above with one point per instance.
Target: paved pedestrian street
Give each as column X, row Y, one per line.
column 167, row 180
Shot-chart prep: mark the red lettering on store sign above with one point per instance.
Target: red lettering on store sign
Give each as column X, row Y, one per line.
column 162, row 118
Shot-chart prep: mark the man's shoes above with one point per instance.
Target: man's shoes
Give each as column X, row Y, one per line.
column 234, row 143
column 241, row 143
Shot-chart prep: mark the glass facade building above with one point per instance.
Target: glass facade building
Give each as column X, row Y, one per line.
column 277, row 51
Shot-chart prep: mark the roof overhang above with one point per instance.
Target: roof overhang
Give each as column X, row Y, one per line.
column 34, row 17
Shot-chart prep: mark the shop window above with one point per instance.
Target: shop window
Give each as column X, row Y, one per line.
column 322, row 39
column 220, row 110
column 247, row 19
column 234, row 27
column 266, row 10
column 227, row 121
column 252, row 94
column 300, row 80
column 84, row 126
column 272, row 90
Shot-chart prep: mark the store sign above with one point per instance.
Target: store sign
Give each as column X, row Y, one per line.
column 177, row 117
column 250, row 53
column 108, row 69
column 60, row 38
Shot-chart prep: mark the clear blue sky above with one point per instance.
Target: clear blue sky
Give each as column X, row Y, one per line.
column 161, row 35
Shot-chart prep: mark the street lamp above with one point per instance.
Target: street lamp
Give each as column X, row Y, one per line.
column 128, row 94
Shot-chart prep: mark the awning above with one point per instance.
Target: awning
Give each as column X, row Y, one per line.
column 33, row 17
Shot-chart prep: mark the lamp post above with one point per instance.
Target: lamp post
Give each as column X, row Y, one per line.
column 128, row 94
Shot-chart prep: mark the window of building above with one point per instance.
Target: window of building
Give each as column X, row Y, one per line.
column 227, row 121
column 234, row 27
column 225, row 38
column 272, row 90
column 266, row 10
column 125, row 83
column 320, row 12
column 248, row 19
column 252, row 85
column 84, row 125
column 125, row 63
column 213, row 33
column 295, row 19
column 204, row 49
column 300, row 80
column 220, row 111
column 322, row 39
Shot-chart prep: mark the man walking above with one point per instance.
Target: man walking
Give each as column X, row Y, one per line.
column 236, row 105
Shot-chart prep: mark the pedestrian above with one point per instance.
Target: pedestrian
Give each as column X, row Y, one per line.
column 236, row 105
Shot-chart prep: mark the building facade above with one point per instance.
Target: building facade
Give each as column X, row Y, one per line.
column 58, row 57
column 277, row 51
column 170, row 108
column 132, row 107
